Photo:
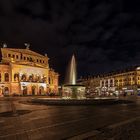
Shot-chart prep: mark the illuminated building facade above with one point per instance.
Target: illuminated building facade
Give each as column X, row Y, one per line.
column 123, row 81
column 107, row 84
column 92, row 83
column 25, row 72
column 119, row 82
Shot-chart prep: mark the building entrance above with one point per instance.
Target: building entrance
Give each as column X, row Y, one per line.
column 24, row 90
column 41, row 90
column 33, row 90
column 6, row 91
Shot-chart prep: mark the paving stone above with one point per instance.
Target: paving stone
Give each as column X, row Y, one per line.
column 66, row 122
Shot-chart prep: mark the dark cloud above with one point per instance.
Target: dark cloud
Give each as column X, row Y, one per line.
column 104, row 35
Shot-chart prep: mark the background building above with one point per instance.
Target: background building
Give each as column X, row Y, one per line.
column 92, row 84
column 26, row 72
column 125, row 81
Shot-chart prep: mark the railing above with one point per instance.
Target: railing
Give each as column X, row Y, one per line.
column 34, row 81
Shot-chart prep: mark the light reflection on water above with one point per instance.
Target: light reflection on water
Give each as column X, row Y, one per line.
column 96, row 98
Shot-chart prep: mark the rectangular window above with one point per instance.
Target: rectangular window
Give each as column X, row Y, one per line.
column 13, row 56
column 37, row 60
column 24, row 58
column 21, row 56
column 9, row 55
column 40, row 61
column 17, row 56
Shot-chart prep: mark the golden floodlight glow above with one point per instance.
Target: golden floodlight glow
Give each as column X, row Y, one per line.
column 23, row 76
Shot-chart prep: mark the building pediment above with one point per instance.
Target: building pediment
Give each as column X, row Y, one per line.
column 24, row 51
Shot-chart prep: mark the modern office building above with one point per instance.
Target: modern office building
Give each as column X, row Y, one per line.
column 25, row 72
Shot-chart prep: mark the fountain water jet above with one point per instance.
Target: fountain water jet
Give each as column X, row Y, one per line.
column 72, row 79
column 71, row 89
column 71, row 73
column 72, row 93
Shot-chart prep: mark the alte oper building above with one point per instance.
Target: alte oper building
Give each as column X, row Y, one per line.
column 26, row 72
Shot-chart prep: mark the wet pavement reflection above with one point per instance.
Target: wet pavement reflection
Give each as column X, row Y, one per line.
column 60, row 122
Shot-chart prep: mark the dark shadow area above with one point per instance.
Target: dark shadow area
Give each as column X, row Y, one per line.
column 11, row 114
column 79, row 102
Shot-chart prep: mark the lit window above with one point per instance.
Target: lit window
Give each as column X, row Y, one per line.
column 49, row 80
column 0, row 77
column 6, row 76
column 30, row 77
column 16, row 77
column 23, row 77
column 6, row 90
column 21, row 56
column 30, row 59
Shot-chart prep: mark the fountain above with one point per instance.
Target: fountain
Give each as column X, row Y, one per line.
column 71, row 90
column 74, row 94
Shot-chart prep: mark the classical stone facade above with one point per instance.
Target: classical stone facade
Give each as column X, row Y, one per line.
column 26, row 72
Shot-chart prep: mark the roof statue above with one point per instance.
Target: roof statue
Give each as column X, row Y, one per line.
column 4, row 45
column 27, row 45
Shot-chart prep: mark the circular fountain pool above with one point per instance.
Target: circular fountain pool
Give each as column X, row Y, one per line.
column 60, row 101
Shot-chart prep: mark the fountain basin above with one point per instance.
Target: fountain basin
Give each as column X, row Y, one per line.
column 60, row 101
column 71, row 85
column 73, row 91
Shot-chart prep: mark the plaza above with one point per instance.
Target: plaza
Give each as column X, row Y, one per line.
column 67, row 122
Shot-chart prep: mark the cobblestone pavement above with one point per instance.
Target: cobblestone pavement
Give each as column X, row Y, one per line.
column 19, row 121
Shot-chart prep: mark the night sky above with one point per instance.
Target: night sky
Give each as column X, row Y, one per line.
column 103, row 34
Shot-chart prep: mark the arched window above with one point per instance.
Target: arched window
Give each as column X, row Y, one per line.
column 16, row 77
column 33, row 90
column 44, row 78
column 49, row 80
column 38, row 78
column 31, row 59
column 6, row 91
column 6, row 76
column 31, row 77
column 41, row 90
column 24, row 90
column 0, row 77
column 23, row 77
